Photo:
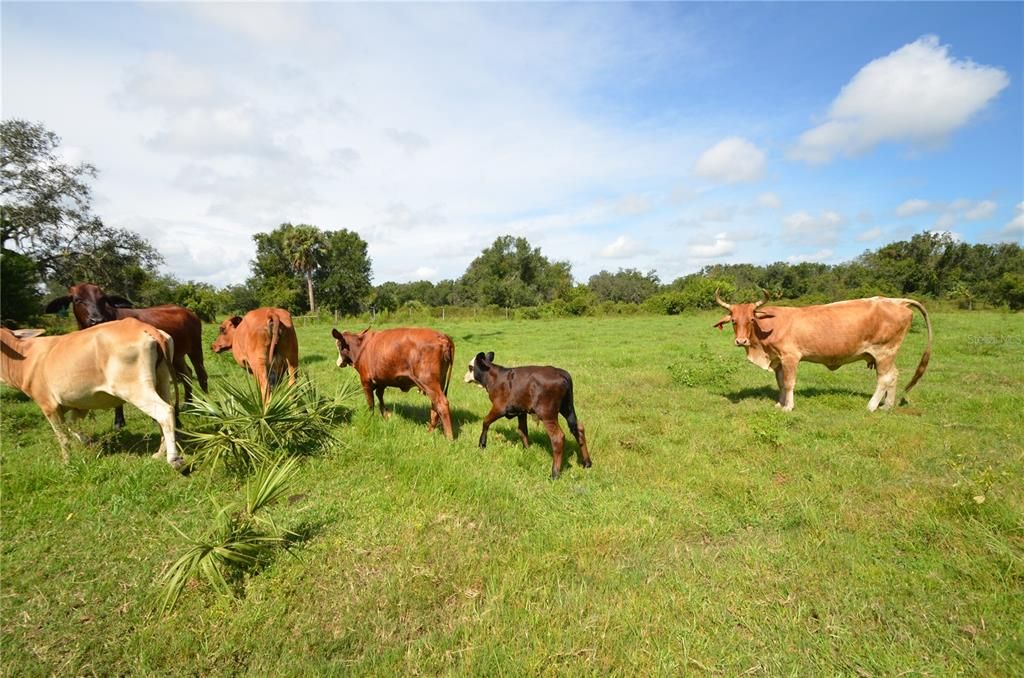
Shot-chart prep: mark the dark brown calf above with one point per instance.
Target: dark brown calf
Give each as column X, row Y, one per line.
column 92, row 306
column 519, row 391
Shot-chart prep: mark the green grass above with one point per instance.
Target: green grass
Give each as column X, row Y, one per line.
column 713, row 533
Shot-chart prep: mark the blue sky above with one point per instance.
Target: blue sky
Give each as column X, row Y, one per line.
column 652, row 136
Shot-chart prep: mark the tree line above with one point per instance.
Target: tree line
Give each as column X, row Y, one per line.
column 52, row 239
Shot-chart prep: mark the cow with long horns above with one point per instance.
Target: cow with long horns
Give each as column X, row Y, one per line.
column 777, row 338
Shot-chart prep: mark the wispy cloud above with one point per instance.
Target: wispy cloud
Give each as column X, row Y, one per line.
column 730, row 161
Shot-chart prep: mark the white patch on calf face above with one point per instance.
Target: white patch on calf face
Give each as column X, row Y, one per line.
column 469, row 376
column 340, row 362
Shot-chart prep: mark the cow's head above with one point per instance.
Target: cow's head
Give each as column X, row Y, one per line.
column 91, row 305
column 225, row 335
column 744, row 319
column 349, row 345
column 478, row 368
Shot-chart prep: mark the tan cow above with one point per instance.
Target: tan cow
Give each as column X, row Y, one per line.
column 777, row 338
column 124, row 361
column 264, row 343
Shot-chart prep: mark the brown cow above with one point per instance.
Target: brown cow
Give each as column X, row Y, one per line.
column 778, row 338
column 91, row 306
column 264, row 343
column 519, row 391
column 402, row 357
column 97, row 368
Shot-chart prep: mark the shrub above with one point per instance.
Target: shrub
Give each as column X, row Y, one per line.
column 237, row 430
column 240, row 540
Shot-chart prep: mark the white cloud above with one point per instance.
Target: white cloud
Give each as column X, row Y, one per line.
column 981, row 210
column 410, row 142
column 821, row 229
column 622, row 247
column 164, row 80
column 263, row 21
column 869, row 235
column 1015, row 227
column 918, row 93
column 916, row 206
column 816, row 257
column 730, row 161
column 237, row 130
column 768, row 200
column 425, row 273
column 721, row 246
column 718, row 213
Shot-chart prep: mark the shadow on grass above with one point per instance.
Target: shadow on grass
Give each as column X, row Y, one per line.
column 772, row 393
column 478, row 336
column 538, row 436
column 310, row 359
column 128, row 442
column 420, row 414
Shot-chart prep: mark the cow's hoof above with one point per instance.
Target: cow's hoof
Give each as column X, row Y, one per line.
column 177, row 463
column 483, row 444
column 555, row 473
column 587, row 464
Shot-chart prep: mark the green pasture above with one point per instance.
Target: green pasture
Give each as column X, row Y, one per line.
column 713, row 535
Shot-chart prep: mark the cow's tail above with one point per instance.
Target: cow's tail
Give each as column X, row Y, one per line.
column 274, row 328
column 923, row 365
column 448, row 353
column 568, row 408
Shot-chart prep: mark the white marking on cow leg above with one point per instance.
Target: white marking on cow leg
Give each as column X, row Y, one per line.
column 890, row 388
column 788, row 384
column 163, row 413
column 886, row 379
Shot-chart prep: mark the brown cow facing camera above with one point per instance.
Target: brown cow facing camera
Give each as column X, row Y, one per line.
column 264, row 343
column 92, row 306
column 403, row 357
column 519, row 391
column 778, row 338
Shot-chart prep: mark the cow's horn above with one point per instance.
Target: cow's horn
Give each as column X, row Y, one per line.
column 763, row 301
column 718, row 300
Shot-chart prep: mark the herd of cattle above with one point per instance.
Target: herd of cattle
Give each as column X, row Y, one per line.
column 136, row 355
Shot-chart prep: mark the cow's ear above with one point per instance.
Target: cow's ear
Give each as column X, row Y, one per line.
column 760, row 315
column 58, row 304
column 480, row 362
column 336, row 334
column 28, row 334
column 490, row 356
column 236, row 320
column 364, row 331
column 118, row 301
column 725, row 320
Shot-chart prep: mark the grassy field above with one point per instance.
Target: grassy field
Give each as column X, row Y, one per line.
column 712, row 535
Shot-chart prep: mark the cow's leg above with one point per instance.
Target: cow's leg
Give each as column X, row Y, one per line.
column 259, row 371
column 163, row 412
column 368, row 392
column 56, row 418
column 380, row 398
column 576, row 428
column 557, row 445
column 788, row 383
column 523, row 430
column 293, row 369
column 489, row 419
column 781, row 400
column 196, row 356
column 181, row 368
column 885, row 389
column 118, row 418
column 440, row 403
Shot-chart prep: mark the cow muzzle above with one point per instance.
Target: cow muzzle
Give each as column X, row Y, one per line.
column 742, row 341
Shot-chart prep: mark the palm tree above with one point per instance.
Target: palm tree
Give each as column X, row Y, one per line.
column 302, row 245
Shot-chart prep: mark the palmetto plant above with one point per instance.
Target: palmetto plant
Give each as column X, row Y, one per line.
column 233, row 427
column 240, row 540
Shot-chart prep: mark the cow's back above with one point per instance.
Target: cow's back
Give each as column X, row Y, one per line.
column 843, row 328
column 181, row 323
column 405, row 352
